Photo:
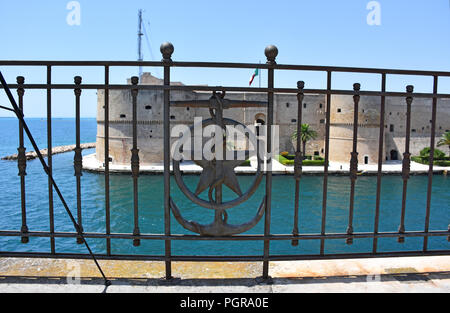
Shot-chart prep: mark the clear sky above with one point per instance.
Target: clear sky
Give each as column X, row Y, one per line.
column 414, row 34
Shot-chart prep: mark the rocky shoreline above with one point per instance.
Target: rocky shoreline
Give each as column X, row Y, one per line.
column 56, row 150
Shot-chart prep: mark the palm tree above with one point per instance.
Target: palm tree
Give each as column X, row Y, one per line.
column 445, row 141
column 307, row 135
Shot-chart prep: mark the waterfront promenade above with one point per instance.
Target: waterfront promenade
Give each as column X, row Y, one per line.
column 392, row 275
column 90, row 163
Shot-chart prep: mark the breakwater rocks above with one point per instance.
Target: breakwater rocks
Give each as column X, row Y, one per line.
column 56, row 150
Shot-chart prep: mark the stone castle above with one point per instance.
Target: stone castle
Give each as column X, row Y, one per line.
column 150, row 122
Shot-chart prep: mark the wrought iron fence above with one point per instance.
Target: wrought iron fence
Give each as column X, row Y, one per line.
column 220, row 230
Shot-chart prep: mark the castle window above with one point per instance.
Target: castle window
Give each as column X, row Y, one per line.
column 316, row 153
column 188, row 109
column 304, row 105
column 294, row 121
column 391, row 128
column 172, row 117
column 366, row 159
column 339, row 110
column 123, row 116
column 321, row 105
column 322, row 121
column 287, row 105
column 414, row 130
column 148, row 107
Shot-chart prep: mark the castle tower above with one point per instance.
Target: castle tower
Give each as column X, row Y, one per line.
column 341, row 129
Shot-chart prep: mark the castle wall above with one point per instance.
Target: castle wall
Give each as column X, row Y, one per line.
column 150, row 123
column 421, row 115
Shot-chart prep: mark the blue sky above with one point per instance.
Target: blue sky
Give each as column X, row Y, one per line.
column 413, row 35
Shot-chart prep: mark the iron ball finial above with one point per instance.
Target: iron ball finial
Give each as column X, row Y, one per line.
column 167, row 50
column 20, row 80
column 357, row 87
column 135, row 80
column 410, row 88
column 271, row 53
column 77, row 80
column 300, row 84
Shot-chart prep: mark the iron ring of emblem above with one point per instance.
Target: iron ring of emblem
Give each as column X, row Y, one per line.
column 225, row 205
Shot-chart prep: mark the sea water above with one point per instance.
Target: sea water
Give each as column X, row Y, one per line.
column 151, row 208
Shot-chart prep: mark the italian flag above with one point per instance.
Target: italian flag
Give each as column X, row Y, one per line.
column 256, row 73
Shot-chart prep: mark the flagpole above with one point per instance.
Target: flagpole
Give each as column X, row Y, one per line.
column 260, row 73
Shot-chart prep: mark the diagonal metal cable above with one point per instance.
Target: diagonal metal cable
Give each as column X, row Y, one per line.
column 149, row 46
column 20, row 116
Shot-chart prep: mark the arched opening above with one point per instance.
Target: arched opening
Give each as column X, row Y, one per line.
column 394, row 155
column 260, row 120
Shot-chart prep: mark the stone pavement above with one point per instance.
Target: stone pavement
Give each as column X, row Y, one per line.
column 392, row 275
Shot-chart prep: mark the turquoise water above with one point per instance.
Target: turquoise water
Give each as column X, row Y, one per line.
column 152, row 214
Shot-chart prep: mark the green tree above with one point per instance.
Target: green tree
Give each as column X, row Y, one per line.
column 438, row 154
column 445, row 141
column 307, row 135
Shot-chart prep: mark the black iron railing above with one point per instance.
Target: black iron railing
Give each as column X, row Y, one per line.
column 220, row 233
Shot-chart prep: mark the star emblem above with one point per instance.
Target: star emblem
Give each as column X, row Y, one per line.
column 219, row 170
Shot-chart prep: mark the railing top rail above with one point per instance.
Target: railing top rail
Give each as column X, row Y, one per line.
column 229, row 89
column 229, row 65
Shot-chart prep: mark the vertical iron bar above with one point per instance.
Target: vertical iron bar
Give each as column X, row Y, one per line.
column 298, row 159
column 167, row 50
column 78, row 159
column 20, row 116
column 406, row 161
column 327, row 161
column 380, row 161
column 430, row 171
column 271, row 53
column 107, row 160
column 353, row 161
column 135, row 163
column 219, row 214
column 49, row 157
column 22, row 162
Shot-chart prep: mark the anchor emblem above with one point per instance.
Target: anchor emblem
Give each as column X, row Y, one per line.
column 219, row 171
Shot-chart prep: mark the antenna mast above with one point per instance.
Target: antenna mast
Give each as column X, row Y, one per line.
column 140, row 34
